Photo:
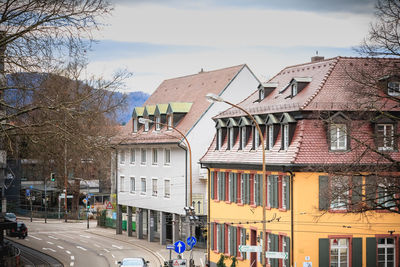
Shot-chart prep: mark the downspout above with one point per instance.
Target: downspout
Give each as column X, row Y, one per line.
column 116, row 190
column 291, row 219
column 186, row 185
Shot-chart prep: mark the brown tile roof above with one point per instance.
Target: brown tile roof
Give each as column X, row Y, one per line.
column 192, row 89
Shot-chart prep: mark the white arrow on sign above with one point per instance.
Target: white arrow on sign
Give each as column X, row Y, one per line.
column 245, row 248
column 276, row 255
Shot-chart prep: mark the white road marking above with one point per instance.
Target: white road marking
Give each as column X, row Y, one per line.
column 37, row 238
column 115, row 246
column 71, row 264
column 100, row 254
column 106, row 250
column 52, row 237
column 84, row 249
column 83, row 241
column 113, row 255
column 86, row 236
column 51, row 243
column 60, row 247
column 202, row 264
column 72, row 258
column 68, row 252
column 97, row 245
column 116, row 262
column 49, row 249
column 160, row 256
column 26, row 239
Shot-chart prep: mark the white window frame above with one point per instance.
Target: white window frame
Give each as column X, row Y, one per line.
column 167, row 188
column 256, row 138
column 387, row 135
column 154, row 156
column 283, row 194
column 143, row 156
column 121, row 156
column 132, row 185
column 339, row 248
column 284, row 249
column 158, row 121
column 269, row 189
column 385, row 247
column 146, row 126
column 219, row 143
column 229, row 240
column 135, row 125
column 167, row 156
column 143, row 189
column 339, row 132
column 231, row 136
column 342, row 201
column 262, row 94
column 243, row 137
column 170, row 122
column 154, row 187
column 394, row 88
column 132, row 156
column 285, row 133
column 294, row 89
column 270, row 137
column 269, row 246
column 231, row 185
column 122, row 183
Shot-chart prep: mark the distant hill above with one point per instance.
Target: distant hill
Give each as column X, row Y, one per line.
column 134, row 99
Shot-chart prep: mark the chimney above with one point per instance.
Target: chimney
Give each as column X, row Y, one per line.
column 317, row 58
column 201, row 71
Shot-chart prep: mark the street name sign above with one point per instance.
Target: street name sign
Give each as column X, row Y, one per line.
column 171, row 247
column 245, row 248
column 180, row 247
column 276, row 255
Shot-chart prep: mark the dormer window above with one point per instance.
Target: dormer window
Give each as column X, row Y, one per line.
column 272, row 124
column 287, row 129
column 285, row 138
column 231, row 138
column 294, row 89
column 221, row 132
column 245, row 130
column 256, row 137
column 219, row 140
column 338, row 136
column 135, row 125
column 243, row 137
column 394, row 88
column 261, row 93
column 270, row 136
column 170, row 120
column 232, row 132
column 146, row 126
column 158, row 121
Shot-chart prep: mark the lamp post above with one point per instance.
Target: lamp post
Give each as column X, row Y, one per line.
column 87, row 197
column 215, row 98
column 143, row 121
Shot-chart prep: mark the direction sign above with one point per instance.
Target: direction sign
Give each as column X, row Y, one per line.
column 276, row 255
column 191, row 241
column 245, row 248
column 180, row 247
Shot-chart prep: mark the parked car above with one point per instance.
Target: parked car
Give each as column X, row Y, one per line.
column 133, row 262
column 20, row 232
column 10, row 217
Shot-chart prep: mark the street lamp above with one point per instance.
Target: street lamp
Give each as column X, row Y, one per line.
column 144, row 121
column 87, row 197
column 215, row 98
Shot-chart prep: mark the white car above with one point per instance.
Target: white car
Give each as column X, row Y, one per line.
column 133, row 262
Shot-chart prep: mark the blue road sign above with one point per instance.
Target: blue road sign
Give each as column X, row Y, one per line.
column 171, row 247
column 191, row 241
column 180, row 247
column 28, row 192
column 31, row 186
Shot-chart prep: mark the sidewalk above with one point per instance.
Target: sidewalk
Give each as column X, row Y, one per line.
column 161, row 251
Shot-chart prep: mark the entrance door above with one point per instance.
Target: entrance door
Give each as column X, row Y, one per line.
column 253, row 255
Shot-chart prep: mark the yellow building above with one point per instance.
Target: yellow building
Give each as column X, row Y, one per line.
column 332, row 183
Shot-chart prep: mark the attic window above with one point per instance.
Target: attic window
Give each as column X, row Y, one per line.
column 261, row 93
column 394, row 88
column 294, row 89
column 135, row 125
column 158, row 121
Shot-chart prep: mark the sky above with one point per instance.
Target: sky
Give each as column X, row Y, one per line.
column 163, row 39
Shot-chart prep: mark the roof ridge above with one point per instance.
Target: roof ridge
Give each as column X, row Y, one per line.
column 328, row 73
column 308, row 63
column 185, row 76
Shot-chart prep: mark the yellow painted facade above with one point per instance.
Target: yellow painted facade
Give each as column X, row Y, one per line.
column 309, row 223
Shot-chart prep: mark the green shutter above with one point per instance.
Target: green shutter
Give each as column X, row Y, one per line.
column 212, row 185
column 287, row 250
column 275, row 245
column 323, row 193
column 287, row 181
column 371, row 252
column 356, row 195
column 370, row 190
column 356, row 249
column 212, row 236
column 235, row 243
column 324, row 252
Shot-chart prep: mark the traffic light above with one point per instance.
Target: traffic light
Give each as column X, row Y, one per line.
column 52, row 176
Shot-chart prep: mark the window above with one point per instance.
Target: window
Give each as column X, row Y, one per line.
column 261, row 94
column 122, row 156
column 285, row 189
column 135, row 125
column 155, row 156
column 243, row 137
column 339, row 188
column 221, row 186
column 285, row 138
column 284, row 249
column 242, row 241
column 154, row 187
column 231, row 138
column 167, row 188
column 143, row 156
column 394, row 88
column 232, row 186
column 232, row 243
column 256, row 137
column 158, row 121
column 257, row 196
column 167, row 156
column 338, row 137
column 133, row 155
column 219, row 138
column 386, row 252
column 169, row 118
column 143, row 186
column 121, row 184
column 270, row 137
column 339, row 256
column 385, row 136
column 133, row 185
column 146, row 126
column 294, row 89
column 245, row 188
column 386, row 195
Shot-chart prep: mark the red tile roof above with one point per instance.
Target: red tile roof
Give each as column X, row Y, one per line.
column 191, row 88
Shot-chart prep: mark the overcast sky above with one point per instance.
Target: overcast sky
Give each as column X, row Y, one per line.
column 162, row 39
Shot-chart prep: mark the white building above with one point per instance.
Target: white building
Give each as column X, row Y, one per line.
column 153, row 169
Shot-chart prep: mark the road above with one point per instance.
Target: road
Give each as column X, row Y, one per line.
column 73, row 246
